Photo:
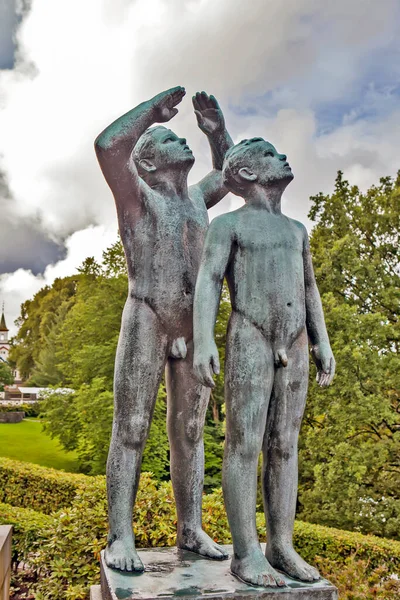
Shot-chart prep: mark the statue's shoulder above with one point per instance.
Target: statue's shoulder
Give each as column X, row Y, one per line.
column 224, row 221
column 298, row 226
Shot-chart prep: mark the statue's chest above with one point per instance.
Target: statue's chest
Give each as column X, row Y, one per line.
column 269, row 236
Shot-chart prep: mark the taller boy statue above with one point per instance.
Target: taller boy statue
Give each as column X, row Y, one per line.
column 162, row 223
column 276, row 306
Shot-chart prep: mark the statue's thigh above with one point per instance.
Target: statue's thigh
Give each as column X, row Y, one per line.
column 187, row 399
column 140, row 359
column 249, row 369
column 290, row 391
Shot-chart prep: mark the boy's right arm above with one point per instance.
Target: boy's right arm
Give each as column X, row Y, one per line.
column 214, row 262
column 115, row 144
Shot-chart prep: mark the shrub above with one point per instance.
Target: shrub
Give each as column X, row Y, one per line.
column 30, row 410
column 356, row 581
column 71, row 553
column 71, row 538
column 28, row 529
column 30, row 486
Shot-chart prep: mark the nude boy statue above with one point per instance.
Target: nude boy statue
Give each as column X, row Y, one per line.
column 162, row 224
column 266, row 260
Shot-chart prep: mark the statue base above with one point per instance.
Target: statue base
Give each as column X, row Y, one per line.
column 174, row 573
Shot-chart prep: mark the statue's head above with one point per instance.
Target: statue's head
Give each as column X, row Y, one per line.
column 255, row 162
column 158, row 150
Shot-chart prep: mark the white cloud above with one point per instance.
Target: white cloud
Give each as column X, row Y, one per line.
column 82, row 64
column 17, row 287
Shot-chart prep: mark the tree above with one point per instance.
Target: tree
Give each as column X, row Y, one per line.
column 6, row 375
column 82, row 422
column 350, row 444
column 36, row 321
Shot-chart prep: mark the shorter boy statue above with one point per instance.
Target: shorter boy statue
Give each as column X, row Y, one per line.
column 266, row 260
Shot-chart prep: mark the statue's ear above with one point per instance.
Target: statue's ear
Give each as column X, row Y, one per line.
column 247, row 174
column 147, row 165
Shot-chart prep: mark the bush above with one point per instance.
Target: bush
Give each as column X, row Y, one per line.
column 72, row 538
column 30, row 410
column 71, row 553
column 29, row 529
column 30, row 486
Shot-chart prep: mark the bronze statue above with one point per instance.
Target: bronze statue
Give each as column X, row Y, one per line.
column 162, row 224
column 276, row 306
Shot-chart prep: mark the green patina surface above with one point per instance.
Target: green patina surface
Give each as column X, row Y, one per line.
column 176, row 573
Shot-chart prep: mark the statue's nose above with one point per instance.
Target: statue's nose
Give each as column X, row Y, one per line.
column 282, row 157
column 183, row 141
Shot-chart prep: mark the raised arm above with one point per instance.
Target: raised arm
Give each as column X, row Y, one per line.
column 214, row 262
column 115, row 144
column 315, row 322
column 211, row 122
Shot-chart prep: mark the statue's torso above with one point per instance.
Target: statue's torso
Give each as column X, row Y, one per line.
column 163, row 250
column 266, row 274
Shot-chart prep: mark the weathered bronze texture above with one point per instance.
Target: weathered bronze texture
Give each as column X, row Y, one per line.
column 173, row 573
column 162, row 223
column 276, row 306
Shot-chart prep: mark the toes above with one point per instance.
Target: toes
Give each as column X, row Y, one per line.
column 271, row 581
column 280, row 582
column 129, row 564
column 138, row 565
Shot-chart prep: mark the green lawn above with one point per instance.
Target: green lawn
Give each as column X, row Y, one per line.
column 27, row 442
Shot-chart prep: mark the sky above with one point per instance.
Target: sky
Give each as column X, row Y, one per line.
column 320, row 80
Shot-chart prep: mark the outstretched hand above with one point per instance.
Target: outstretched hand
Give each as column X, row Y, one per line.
column 165, row 102
column 325, row 363
column 208, row 113
column 206, row 364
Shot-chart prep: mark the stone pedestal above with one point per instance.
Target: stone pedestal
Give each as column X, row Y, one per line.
column 170, row 572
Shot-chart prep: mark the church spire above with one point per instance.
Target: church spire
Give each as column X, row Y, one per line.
column 3, row 326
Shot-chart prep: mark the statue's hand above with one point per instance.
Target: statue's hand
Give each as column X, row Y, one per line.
column 209, row 115
column 206, row 363
column 165, row 102
column 325, row 363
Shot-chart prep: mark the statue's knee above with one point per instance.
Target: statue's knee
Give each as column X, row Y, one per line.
column 281, row 448
column 192, row 431
column 133, row 433
column 247, row 450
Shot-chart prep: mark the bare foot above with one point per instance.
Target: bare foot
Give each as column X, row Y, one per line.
column 254, row 569
column 198, row 541
column 121, row 555
column 287, row 560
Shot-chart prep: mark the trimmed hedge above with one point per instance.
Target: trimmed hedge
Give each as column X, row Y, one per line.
column 39, row 488
column 71, row 539
column 29, row 529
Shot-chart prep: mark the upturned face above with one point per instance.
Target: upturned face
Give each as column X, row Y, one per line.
column 266, row 163
column 170, row 150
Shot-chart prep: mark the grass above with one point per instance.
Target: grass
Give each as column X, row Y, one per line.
column 27, row 442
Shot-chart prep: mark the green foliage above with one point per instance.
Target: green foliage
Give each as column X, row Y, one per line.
column 28, row 529
column 82, row 422
column 26, row 485
column 6, row 375
column 71, row 538
column 350, row 446
column 30, row 410
column 36, row 321
column 355, row 579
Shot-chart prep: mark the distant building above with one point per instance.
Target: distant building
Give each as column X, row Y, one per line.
column 5, row 346
column 21, row 394
column 4, row 343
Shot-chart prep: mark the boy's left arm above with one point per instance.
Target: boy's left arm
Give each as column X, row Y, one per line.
column 211, row 122
column 320, row 347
